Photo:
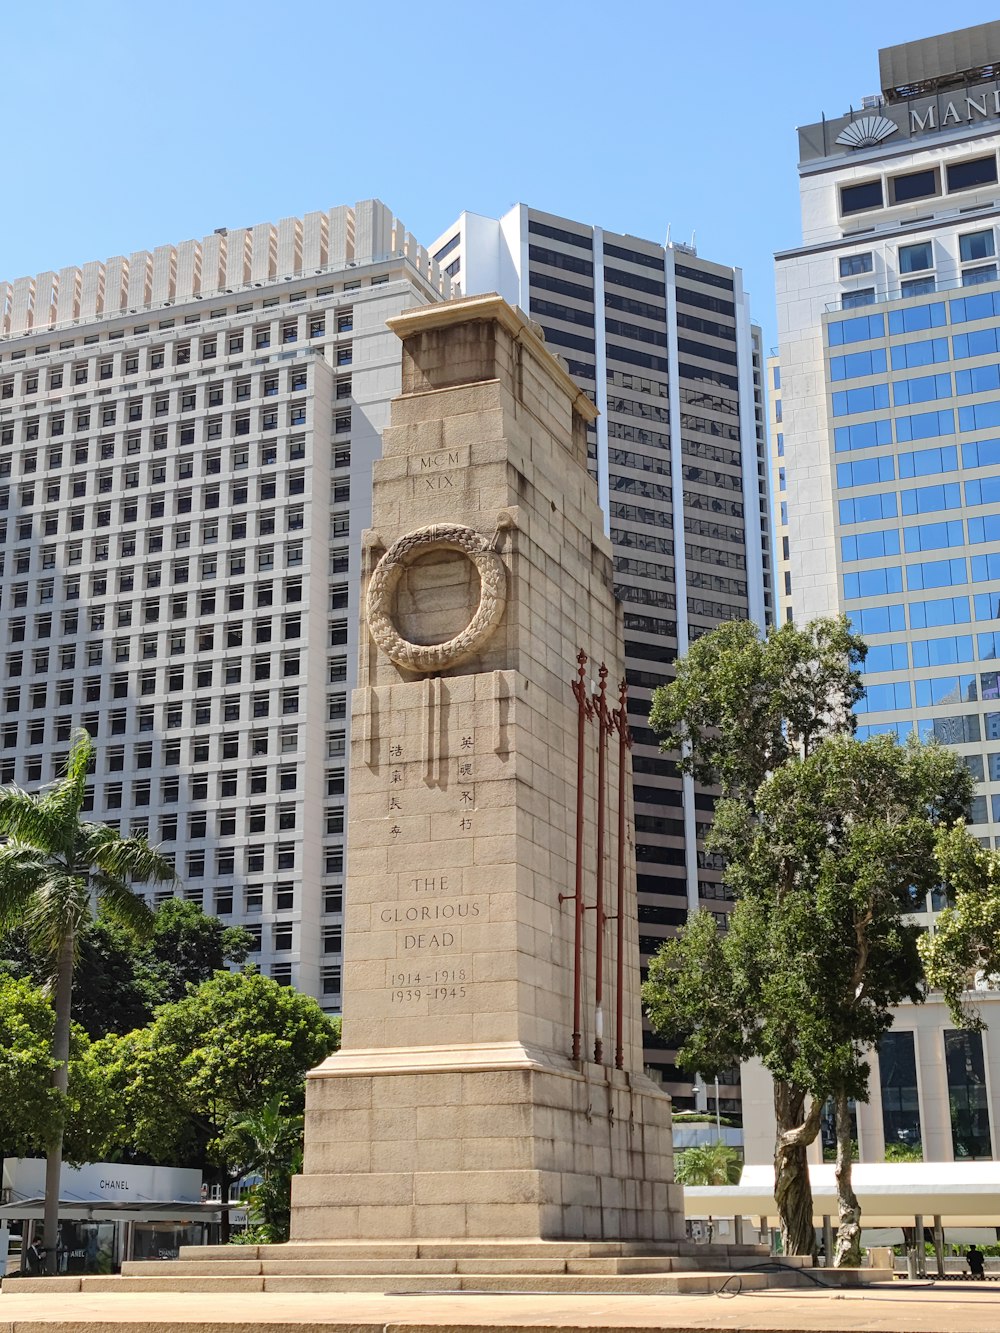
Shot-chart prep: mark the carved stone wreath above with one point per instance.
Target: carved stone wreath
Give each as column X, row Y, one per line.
column 388, row 572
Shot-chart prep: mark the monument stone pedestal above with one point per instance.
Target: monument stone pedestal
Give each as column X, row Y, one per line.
column 455, row 1109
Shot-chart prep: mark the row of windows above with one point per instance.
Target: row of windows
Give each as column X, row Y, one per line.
column 180, row 572
column 625, row 430
column 259, row 781
column 919, row 258
column 238, row 458
column 210, row 428
column 713, row 402
column 625, row 379
column 722, row 429
column 715, row 453
column 934, row 613
column 178, row 609
column 921, row 576
column 97, row 550
column 207, row 397
column 947, row 650
column 934, row 692
column 635, row 407
column 238, row 493
column 921, row 537
column 148, row 647
column 63, row 694
column 150, row 610
column 105, row 366
column 134, row 475
column 916, row 319
column 641, row 462
column 969, row 174
column 917, row 500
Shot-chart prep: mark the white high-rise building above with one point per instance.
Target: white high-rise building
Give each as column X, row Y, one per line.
column 889, row 327
column 186, row 441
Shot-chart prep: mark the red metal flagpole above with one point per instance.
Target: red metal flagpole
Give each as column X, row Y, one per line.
column 604, row 724
column 584, row 712
column 624, row 743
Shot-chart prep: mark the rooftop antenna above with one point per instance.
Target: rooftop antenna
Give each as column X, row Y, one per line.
column 693, row 247
column 666, row 243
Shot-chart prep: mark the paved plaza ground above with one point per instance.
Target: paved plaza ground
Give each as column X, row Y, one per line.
column 951, row 1307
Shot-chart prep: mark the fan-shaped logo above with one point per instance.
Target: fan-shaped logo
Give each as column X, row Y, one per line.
column 867, row 132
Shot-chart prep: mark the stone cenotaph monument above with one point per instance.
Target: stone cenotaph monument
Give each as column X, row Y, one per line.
column 461, row 1106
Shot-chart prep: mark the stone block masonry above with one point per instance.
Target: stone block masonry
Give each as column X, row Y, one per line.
column 454, row 1109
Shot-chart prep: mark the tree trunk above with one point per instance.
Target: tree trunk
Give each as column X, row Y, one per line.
column 792, row 1192
column 60, row 1082
column 848, row 1249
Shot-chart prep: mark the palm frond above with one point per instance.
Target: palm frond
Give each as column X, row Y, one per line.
column 123, row 905
column 22, row 871
column 56, row 910
column 30, row 820
column 128, row 859
column 63, row 800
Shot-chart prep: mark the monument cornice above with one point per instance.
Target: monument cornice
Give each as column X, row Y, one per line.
column 492, row 308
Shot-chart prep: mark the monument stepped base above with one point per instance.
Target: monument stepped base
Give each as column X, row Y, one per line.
column 539, row 1267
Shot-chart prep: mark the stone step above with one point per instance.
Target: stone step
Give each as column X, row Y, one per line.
column 392, row 1268
column 623, row 1284
column 584, row 1249
column 399, row 1267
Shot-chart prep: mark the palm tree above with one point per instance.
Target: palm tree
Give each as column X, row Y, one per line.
column 55, row 869
column 709, row 1164
column 269, row 1143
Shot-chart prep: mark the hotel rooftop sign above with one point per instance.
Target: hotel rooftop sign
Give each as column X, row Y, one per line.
column 903, row 124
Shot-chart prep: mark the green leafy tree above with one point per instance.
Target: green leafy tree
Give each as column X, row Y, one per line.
column 827, row 843
column 54, row 869
column 119, row 979
column 739, row 707
column 965, row 945
column 269, row 1142
column 32, row 1109
column 708, row 1164
column 819, row 949
column 187, row 946
column 212, row 1061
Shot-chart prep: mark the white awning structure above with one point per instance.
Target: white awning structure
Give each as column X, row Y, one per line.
column 891, row 1194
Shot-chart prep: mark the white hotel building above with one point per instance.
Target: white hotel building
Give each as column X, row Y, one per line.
column 889, row 328
column 186, row 441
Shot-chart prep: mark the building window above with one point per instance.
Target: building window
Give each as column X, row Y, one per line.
column 900, row 1103
column 971, row 277
column 916, row 258
column 859, row 198
column 967, row 1095
column 976, row 245
column 916, row 287
column 976, row 171
column 851, row 266
column 914, row 185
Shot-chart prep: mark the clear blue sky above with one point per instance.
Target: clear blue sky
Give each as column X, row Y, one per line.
column 129, row 125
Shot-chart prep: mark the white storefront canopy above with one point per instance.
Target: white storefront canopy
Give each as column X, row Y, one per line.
column 891, row 1194
column 102, row 1191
